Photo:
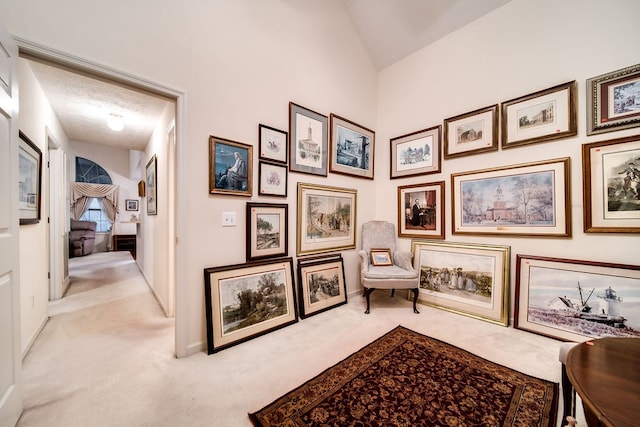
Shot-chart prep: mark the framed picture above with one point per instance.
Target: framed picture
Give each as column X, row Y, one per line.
column 131, row 204
column 545, row 115
column 29, row 180
column 530, row 199
column 465, row 278
column 141, row 188
column 471, row 133
column 613, row 101
column 416, row 153
column 272, row 179
column 230, row 167
column 326, row 218
column 274, row 144
column 611, row 186
column 321, row 286
column 352, row 148
column 380, row 257
column 574, row 300
column 244, row 301
column 267, row 230
column 421, row 210
column 308, row 141
column 151, row 186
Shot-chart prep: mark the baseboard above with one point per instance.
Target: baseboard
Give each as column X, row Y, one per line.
column 35, row 336
column 195, row 348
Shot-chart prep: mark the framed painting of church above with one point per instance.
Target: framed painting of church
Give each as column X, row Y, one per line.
column 352, row 148
column 529, row 199
column 308, row 141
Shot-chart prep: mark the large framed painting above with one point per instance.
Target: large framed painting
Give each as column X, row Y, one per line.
column 465, row 278
column 421, row 210
column 613, row 101
column 273, row 144
column 230, row 167
column 308, row 141
column 151, row 187
column 244, row 301
column 545, row 115
column 416, row 153
column 529, row 199
column 321, row 286
column 611, row 186
column 352, row 148
column 29, row 180
column 576, row 300
column 471, row 133
column 326, row 218
column 267, row 230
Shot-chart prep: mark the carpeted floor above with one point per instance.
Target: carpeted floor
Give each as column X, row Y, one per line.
column 408, row 379
column 106, row 356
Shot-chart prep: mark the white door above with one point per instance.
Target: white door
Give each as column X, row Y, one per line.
column 10, row 359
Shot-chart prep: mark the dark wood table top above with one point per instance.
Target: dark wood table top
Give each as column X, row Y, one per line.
column 606, row 374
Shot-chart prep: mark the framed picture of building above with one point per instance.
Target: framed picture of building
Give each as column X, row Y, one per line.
column 531, row 199
column 416, row 153
column 471, row 133
column 352, row 148
column 308, row 141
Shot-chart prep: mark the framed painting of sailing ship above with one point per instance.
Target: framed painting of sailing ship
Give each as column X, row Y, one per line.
column 575, row 300
column 611, row 186
column 267, row 230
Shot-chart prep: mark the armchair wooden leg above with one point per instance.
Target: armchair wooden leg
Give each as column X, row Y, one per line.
column 367, row 292
column 415, row 300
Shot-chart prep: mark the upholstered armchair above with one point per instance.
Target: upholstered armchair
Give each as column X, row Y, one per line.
column 398, row 275
column 82, row 237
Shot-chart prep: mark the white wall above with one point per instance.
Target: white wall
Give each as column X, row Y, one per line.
column 36, row 120
column 518, row 49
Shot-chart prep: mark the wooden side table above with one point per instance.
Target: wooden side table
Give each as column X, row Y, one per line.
column 125, row 242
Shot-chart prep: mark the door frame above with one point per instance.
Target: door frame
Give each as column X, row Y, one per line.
column 36, row 51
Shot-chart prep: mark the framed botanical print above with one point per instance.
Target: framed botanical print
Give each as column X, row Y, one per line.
column 267, row 230
column 416, row 153
column 352, row 148
column 471, row 133
column 611, row 185
column 421, row 210
column 274, row 144
column 151, row 187
column 272, row 179
column 29, row 180
column 308, row 145
column 230, row 167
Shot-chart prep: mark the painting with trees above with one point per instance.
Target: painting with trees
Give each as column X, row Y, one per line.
column 267, row 230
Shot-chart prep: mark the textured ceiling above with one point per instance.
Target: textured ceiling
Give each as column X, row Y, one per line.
column 390, row 30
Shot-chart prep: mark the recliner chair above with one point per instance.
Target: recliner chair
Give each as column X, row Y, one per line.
column 82, row 237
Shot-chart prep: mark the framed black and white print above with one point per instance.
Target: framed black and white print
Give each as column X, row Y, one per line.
column 352, row 148
column 274, row 144
column 308, row 144
column 471, row 133
column 272, row 179
column 29, row 180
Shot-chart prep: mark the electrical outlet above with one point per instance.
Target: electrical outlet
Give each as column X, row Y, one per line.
column 228, row 219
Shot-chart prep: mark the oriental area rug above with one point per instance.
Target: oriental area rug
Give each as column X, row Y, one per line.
column 408, row 379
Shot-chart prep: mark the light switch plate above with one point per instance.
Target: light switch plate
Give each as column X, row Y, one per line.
column 228, row 219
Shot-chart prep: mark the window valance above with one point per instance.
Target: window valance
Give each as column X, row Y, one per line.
column 81, row 192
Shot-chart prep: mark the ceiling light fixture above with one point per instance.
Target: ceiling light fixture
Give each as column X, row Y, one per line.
column 115, row 122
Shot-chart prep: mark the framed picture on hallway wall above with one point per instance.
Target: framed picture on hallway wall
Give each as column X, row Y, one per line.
column 471, row 133
column 308, row 141
column 245, row 301
column 274, row 144
column 421, row 210
column 326, row 218
column 151, row 188
column 352, row 148
column 29, row 180
column 230, row 167
column 267, row 230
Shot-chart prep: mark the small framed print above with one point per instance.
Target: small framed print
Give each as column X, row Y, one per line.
column 29, row 180
column 352, row 148
column 421, row 210
column 321, row 285
column 416, row 153
column 274, row 144
column 230, row 167
column 131, row 204
column 380, row 257
column 614, row 101
column 611, row 186
column 541, row 116
column 152, row 186
column 267, row 230
column 272, row 179
column 308, row 142
column 471, row 133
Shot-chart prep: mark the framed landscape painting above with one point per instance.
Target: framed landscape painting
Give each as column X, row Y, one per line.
column 326, row 218
column 421, row 210
column 465, row 278
column 416, row 153
column 530, row 199
column 244, row 301
column 352, row 148
column 308, row 132
column 611, row 186
column 321, row 286
column 29, row 180
column 267, row 230
column 471, row 133
column 230, row 167
column 577, row 300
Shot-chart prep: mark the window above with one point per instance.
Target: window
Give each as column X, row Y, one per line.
column 88, row 171
column 95, row 212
